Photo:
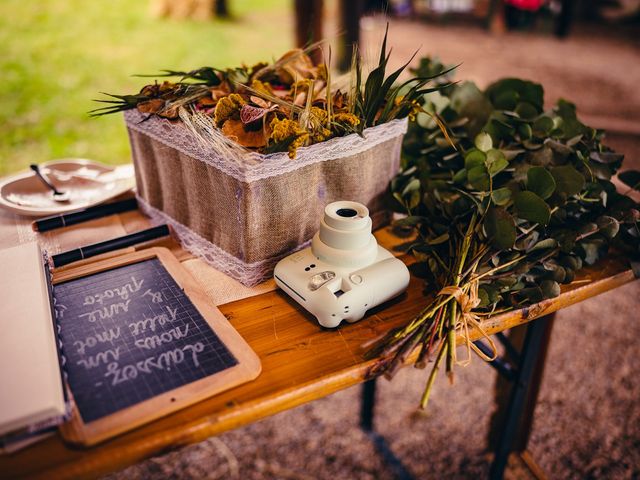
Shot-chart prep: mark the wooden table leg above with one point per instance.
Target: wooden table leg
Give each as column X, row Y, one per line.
column 367, row 407
column 515, row 416
column 367, row 413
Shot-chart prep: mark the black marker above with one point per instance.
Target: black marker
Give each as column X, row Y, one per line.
column 114, row 244
column 57, row 221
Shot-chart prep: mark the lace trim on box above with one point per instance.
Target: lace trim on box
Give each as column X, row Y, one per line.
column 249, row 274
column 255, row 166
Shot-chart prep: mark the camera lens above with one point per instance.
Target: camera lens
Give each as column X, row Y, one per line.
column 346, row 212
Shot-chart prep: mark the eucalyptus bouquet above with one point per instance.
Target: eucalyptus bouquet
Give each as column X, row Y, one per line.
column 508, row 204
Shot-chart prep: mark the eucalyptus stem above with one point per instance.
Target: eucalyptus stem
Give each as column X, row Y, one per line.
column 432, row 376
column 451, row 341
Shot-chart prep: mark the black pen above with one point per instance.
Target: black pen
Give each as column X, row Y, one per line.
column 57, row 221
column 114, row 244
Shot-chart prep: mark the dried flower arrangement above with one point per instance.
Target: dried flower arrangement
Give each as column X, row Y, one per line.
column 506, row 208
column 278, row 107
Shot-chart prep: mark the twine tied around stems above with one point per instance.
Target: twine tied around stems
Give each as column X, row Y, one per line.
column 467, row 302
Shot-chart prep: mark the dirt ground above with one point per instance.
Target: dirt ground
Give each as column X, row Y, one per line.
column 587, row 422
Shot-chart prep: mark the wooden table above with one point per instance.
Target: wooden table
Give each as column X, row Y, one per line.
column 301, row 362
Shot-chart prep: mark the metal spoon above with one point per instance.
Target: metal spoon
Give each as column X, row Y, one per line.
column 58, row 196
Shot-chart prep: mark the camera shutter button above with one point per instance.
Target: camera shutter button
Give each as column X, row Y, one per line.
column 319, row 279
column 355, row 278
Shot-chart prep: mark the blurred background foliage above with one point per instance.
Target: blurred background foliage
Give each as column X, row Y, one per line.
column 57, row 55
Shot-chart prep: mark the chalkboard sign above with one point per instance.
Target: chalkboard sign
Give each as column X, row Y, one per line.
column 130, row 334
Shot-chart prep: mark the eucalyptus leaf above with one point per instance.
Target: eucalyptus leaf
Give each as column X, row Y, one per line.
column 501, row 196
column 526, row 110
column 606, row 157
column 591, row 253
column 542, row 126
column 608, row 226
column 499, row 128
column 587, row 229
column 496, row 162
column 414, row 199
column 566, row 239
column 530, row 206
column 500, row 228
column 511, row 154
column 525, row 131
column 525, row 91
column 478, row 178
column 574, row 140
column 460, row 176
column 474, row 158
column 545, row 244
column 550, row 288
column 483, row 296
column 483, row 142
column 542, row 157
column 469, row 102
column 570, row 275
column 568, row 180
column 558, row 147
column 531, row 144
column 559, row 274
column 541, row 182
column 531, row 294
column 414, row 184
column 438, row 240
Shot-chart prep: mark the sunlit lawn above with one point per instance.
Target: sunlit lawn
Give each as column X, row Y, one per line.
column 56, row 55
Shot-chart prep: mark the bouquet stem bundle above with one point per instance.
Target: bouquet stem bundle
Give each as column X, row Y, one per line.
column 507, row 205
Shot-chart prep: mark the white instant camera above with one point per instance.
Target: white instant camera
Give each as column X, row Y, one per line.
column 345, row 272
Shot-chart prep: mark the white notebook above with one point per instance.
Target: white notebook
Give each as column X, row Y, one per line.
column 30, row 379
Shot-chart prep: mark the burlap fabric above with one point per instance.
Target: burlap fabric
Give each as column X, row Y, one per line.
column 243, row 217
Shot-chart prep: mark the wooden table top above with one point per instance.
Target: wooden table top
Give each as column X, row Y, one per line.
column 301, row 362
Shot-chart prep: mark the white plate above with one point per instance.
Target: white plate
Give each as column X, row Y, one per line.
column 88, row 182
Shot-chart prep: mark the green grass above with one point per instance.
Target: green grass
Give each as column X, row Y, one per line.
column 57, row 55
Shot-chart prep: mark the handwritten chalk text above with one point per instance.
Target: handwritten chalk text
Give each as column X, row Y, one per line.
column 163, row 361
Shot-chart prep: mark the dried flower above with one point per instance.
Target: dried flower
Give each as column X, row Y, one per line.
column 262, row 87
column 235, row 130
column 301, row 141
column 292, row 87
column 347, row 119
column 151, row 106
column 285, row 131
column 227, row 107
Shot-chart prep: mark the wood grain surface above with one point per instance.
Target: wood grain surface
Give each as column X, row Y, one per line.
column 301, row 362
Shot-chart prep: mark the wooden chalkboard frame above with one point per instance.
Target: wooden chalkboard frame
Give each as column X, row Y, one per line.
column 248, row 368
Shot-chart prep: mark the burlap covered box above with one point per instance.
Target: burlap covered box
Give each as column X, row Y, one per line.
column 242, row 217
